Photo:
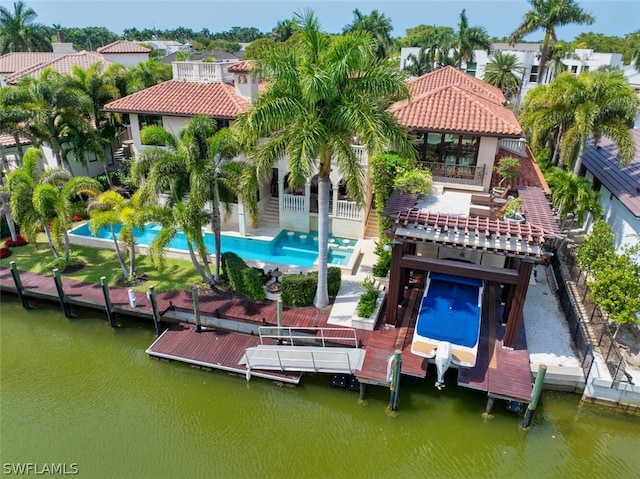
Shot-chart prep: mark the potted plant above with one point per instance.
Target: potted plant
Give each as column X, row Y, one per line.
column 507, row 168
column 512, row 211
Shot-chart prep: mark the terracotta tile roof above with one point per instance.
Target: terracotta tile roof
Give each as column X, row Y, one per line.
column 603, row 162
column 240, row 67
column 399, row 201
column 62, row 64
column 183, row 98
column 123, row 46
column 450, row 100
column 16, row 61
column 491, row 235
column 7, row 141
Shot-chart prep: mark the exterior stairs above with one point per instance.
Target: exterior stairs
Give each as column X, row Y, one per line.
column 271, row 215
column 371, row 228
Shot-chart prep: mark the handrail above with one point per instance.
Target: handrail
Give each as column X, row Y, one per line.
column 305, row 334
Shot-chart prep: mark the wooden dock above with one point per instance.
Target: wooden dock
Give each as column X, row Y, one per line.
column 499, row 372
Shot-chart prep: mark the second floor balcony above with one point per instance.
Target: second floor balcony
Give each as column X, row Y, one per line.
column 460, row 174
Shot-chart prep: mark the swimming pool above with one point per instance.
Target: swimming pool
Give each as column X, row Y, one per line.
column 288, row 247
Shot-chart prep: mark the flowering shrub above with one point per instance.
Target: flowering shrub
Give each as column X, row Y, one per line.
column 4, row 252
column 77, row 218
column 20, row 241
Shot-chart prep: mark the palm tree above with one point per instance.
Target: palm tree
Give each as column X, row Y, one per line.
column 378, row 25
column 197, row 170
column 42, row 200
column 467, row 39
column 5, row 210
column 573, row 194
column 322, row 92
column 284, row 30
column 147, row 74
column 505, row 72
column 53, row 107
column 548, row 15
column 635, row 57
column 602, row 103
column 111, row 209
column 20, row 33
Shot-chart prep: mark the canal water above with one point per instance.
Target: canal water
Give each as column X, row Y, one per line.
column 77, row 392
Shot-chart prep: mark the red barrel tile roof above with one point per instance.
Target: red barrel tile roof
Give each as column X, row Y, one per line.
column 16, row 61
column 63, row 64
column 183, row 98
column 123, row 46
column 451, row 100
column 240, row 67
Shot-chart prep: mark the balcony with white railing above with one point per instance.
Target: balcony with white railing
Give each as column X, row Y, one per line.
column 360, row 153
column 296, row 203
column 348, row 210
column 205, row 72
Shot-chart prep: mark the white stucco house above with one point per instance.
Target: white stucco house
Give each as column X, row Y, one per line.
column 458, row 120
column 619, row 187
column 528, row 55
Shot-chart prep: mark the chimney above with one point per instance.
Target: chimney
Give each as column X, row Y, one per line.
column 62, row 49
column 60, row 36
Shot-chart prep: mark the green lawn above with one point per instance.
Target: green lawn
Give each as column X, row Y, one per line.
column 178, row 275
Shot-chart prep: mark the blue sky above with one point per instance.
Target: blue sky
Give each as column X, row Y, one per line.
column 613, row 17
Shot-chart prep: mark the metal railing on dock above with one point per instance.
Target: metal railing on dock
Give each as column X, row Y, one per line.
column 307, row 336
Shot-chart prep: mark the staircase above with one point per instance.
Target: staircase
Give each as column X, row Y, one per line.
column 271, row 215
column 371, row 229
column 124, row 151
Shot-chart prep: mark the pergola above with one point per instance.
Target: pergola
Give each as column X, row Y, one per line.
column 505, row 252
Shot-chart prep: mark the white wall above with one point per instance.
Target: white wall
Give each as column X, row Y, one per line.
column 126, row 59
column 486, row 157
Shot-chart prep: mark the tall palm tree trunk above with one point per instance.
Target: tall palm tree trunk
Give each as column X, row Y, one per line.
column 54, row 250
column 322, row 293
column 67, row 247
column 576, row 167
column 11, row 225
column 556, row 148
column 217, row 227
column 132, row 261
column 123, row 266
column 196, row 264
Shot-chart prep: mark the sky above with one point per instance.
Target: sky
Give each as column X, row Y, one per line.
column 499, row 17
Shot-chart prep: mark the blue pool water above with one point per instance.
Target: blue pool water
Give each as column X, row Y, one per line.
column 288, row 247
column 450, row 310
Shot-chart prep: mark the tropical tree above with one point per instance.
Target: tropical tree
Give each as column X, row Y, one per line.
column 53, row 107
column 597, row 247
column 433, row 53
column 465, row 40
column 19, row 32
column 635, row 57
column 101, row 87
column 573, row 194
column 548, row 15
column 112, row 210
column 197, row 170
column 5, row 210
column 322, row 92
column 43, row 200
column 284, row 30
column 505, row 72
column 147, row 74
column 378, row 25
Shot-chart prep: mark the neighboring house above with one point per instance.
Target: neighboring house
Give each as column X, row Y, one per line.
column 167, row 47
column 633, row 77
column 619, row 187
column 16, row 61
column 124, row 52
column 460, row 121
column 528, row 55
column 9, row 154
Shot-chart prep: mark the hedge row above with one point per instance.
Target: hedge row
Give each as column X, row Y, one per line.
column 300, row 290
column 243, row 279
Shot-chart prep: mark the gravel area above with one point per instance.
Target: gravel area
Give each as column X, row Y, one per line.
column 548, row 338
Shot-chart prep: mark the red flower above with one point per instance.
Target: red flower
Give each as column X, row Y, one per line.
column 77, row 218
column 20, row 241
column 4, row 252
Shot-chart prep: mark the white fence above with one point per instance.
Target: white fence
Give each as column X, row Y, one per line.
column 349, row 210
column 201, row 71
column 296, row 203
column 519, row 146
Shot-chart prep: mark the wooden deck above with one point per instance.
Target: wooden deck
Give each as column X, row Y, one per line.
column 212, row 349
column 502, row 373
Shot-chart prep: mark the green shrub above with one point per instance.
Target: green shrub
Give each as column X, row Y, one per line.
column 298, row 289
column 367, row 301
column 416, row 181
column 334, row 280
column 243, row 279
column 381, row 268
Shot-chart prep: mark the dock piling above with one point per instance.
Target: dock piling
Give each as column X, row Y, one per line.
column 395, row 380
column 15, row 274
column 279, row 318
column 196, row 308
column 61, row 295
column 107, row 301
column 154, row 309
column 535, row 395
